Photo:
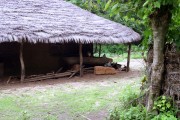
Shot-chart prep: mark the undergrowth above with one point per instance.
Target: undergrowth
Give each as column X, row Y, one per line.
column 132, row 109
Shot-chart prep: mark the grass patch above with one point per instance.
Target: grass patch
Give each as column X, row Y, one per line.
column 51, row 103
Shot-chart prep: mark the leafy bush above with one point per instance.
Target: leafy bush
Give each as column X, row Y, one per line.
column 128, row 95
column 132, row 113
column 164, row 116
column 129, row 109
column 163, row 104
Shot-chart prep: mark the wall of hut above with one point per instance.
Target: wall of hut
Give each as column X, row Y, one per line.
column 38, row 58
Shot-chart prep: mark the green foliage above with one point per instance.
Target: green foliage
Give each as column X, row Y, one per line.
column 163, row 104
column 133, row 113
column 130, row 109
column 144, row 79
column 117, row 49
column 164, row 116
column 124, row 11
column 128, row 96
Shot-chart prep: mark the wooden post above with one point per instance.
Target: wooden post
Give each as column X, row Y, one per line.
column 99, row 50
column 22, row 62
column 95, row 48
column 81, row 59
column 128, row 58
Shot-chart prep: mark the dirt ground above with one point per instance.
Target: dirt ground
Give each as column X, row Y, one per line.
column 136, row 68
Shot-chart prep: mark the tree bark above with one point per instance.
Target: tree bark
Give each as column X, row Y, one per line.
column 159, row 23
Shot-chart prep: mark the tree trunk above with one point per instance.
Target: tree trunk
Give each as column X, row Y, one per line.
column 159, row 23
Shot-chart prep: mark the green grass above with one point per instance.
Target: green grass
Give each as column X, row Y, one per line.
column 121, row 57
column 51, row 103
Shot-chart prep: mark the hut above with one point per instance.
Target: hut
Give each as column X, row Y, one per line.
column 29, row 29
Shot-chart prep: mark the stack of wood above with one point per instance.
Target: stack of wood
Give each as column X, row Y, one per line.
column 101, row 70
column 34, row 78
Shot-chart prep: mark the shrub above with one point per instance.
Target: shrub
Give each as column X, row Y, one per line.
column 165, row 107
column 164, row 116
column 163, row 104
column 132, row 113
column 129, row 109
column 128, row 95
column 133, row 110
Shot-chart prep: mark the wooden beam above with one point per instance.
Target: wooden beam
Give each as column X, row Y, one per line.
column 22, row 62
column 99, row 50
column 81, row 59
column 128, row 58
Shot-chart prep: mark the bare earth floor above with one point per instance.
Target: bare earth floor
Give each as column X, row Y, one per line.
column 87, row 98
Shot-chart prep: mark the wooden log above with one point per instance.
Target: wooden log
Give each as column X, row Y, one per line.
column 100, row 70
column 95, row 61
column 22, row 62
column 128, row 59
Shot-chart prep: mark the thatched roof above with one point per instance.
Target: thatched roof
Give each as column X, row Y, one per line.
column 58, row 21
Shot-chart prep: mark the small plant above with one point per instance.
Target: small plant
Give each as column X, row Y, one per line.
column 144, row 79
column 163, row 104
column 164, row 116
column 130, row 108
column 115, row 114
column 128, row 95
column 133, row 113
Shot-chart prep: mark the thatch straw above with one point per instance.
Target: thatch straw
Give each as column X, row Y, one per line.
column 58, row 21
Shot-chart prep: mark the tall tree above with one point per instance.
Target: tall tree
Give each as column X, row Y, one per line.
column 158, row 14
column 160, row 20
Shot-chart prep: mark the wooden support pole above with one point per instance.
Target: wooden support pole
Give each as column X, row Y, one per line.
column 128, row 58
column 99, row 50
column 81, row 59
column 95, row 48
column 22, row 62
